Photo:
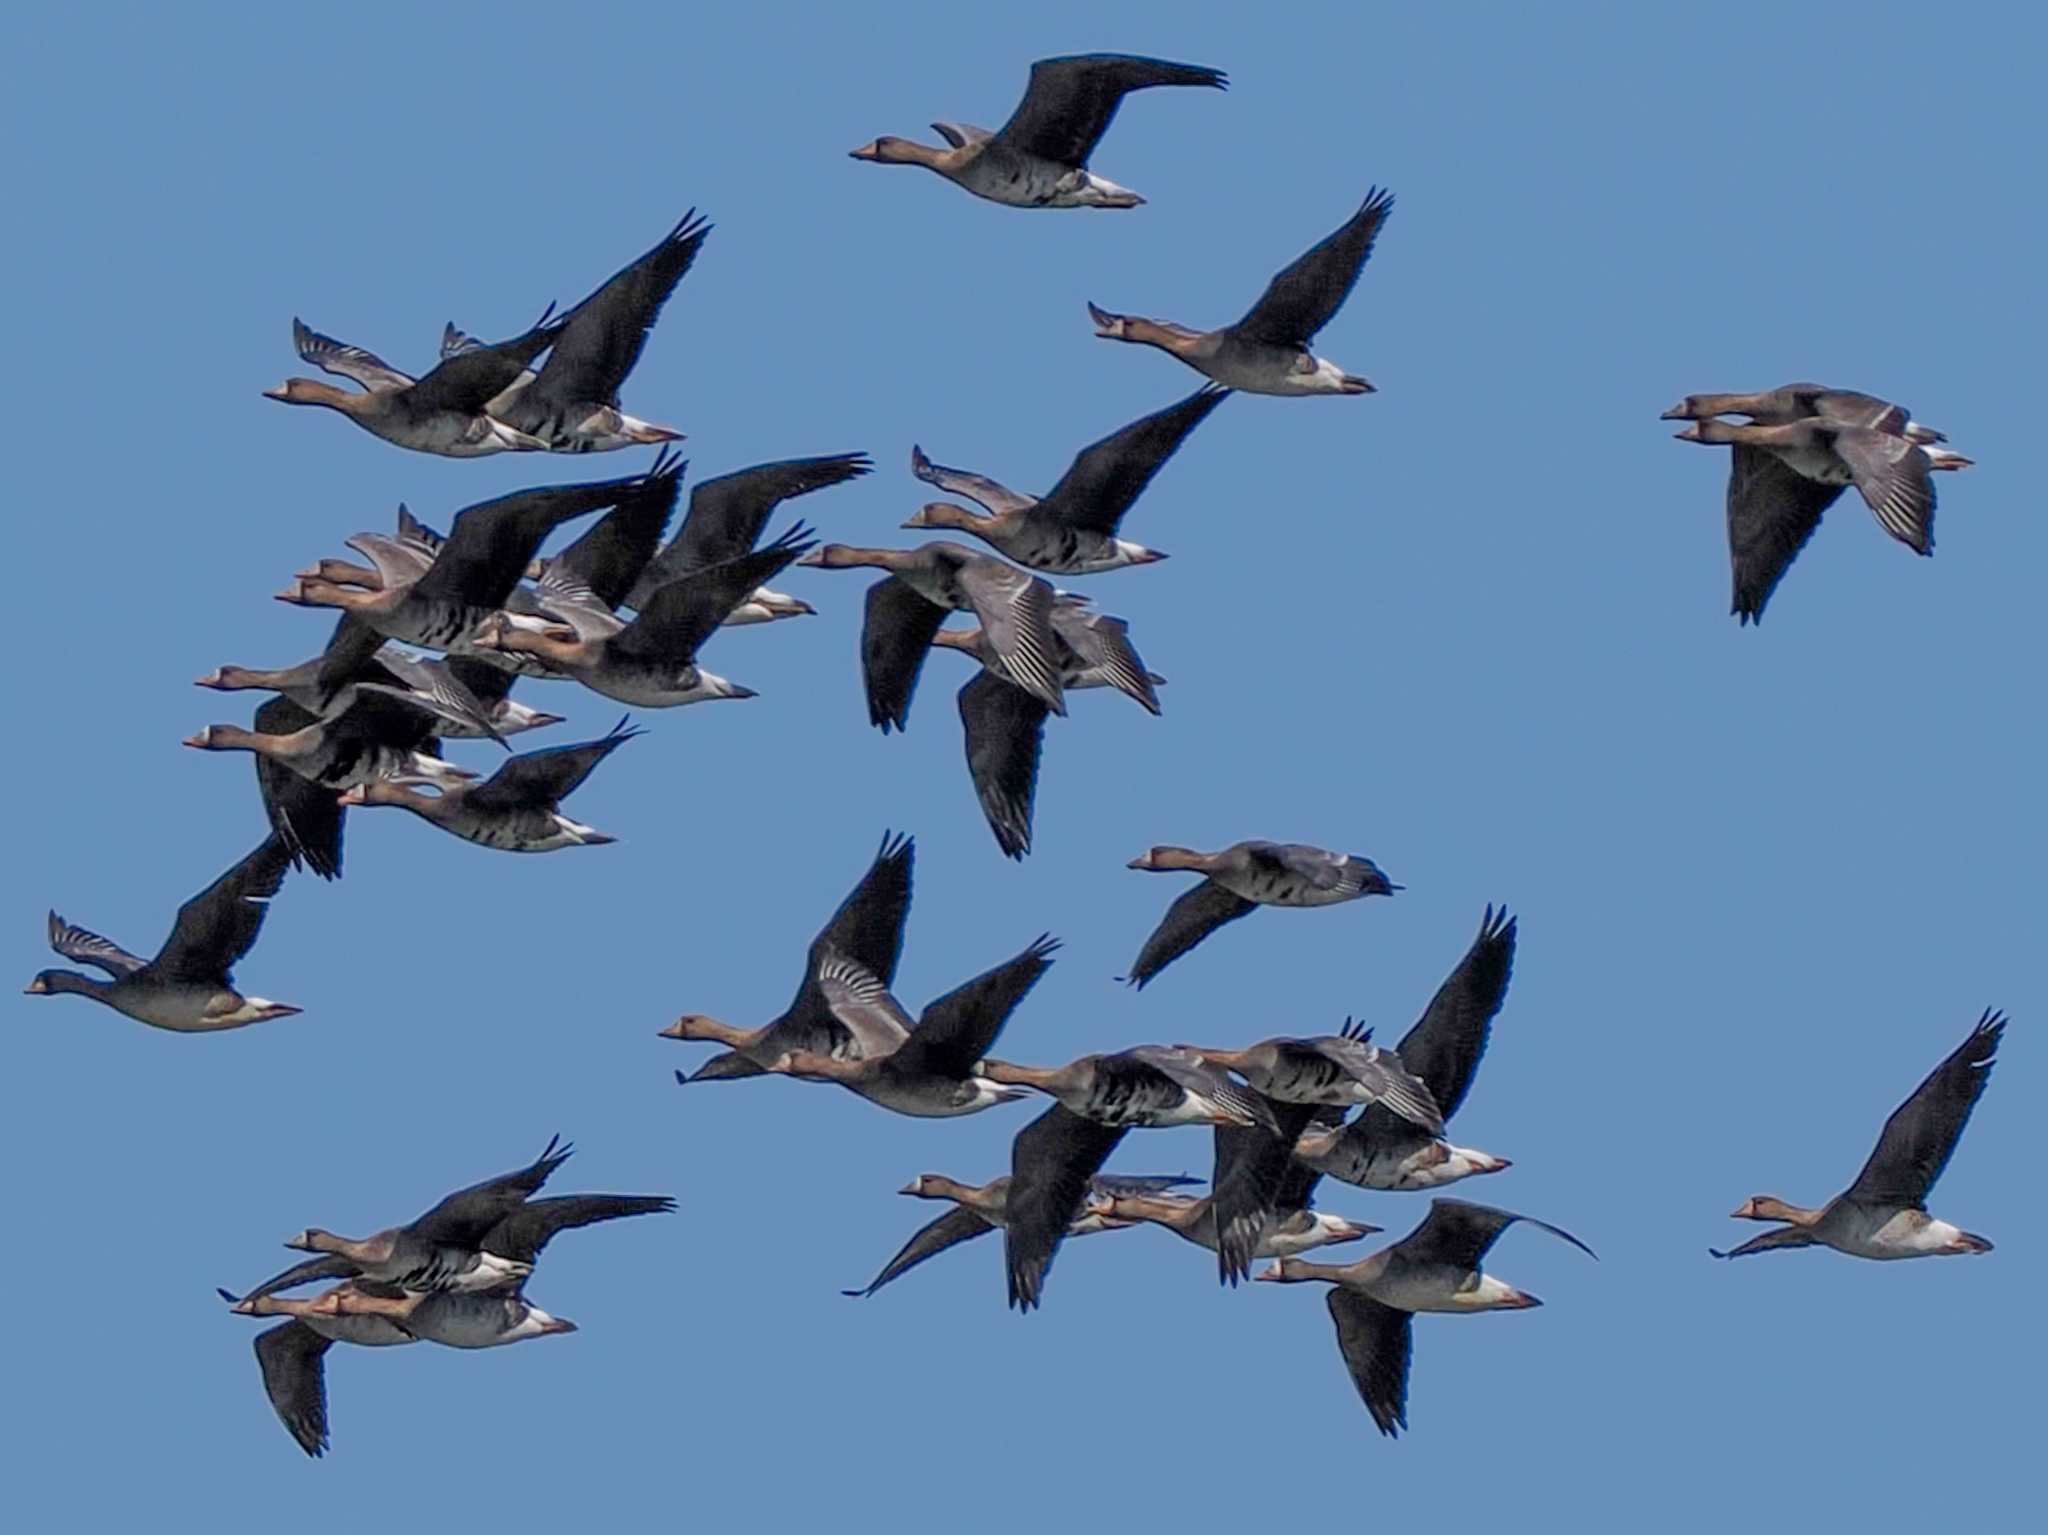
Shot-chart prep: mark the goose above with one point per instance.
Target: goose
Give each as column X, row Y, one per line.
column 1883, row 1214
column 444, row 412
column 1073, row 530
column 454, row 1320
column 652, row 662
column 438, row 1250
column 370, row 732
column 1039, row 158
column 1804, row 448
column 479, row 691
column 1004, row 726
column 1100, row 1098
column 518, row 808
column 572, row 404
column 978, row 1210
column 1381, row 1149
column 1794, row 402
column 476, row 570
column 189, row 986
column 1267, row 352
column 867, row 929
column 504, row 1257
column 1434, row 1268
column 936, row 1072
column 1240, row 877
column 482, row 1238
column 907, row 606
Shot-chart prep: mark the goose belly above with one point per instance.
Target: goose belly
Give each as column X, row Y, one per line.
column 1885, row 1235
column 650, row 690
column 466, row 1321
column 1068, row 551
column 364, row 1331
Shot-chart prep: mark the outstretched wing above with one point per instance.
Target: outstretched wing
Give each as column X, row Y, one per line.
column 1051, row 1163
column 1005, row 731
column 1070, row 102
column 1187, row 922
column 346, row 361
column 1772, row 512
column 957, row 1225
column 543, row 779
column 1302, row 298
column 84, row 947
column 219, row 925
column 1107, row 477
column 1921, row 1134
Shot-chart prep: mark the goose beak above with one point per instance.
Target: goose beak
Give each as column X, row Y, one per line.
column 199, row 740
column 359, row 795
column 36, row 988
column 1690, row 434
column 210, row 680
column 281, row 392
column 868, row 151
column 1676, row 413
column 812, row 557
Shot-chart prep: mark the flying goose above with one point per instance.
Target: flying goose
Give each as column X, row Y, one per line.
column 937, row 1072
column 444, row 412
column 189, row 986
column 572, row 404
column 1805, row 445
column 1434, row 1268
column 652, row 661
column 979, row 1210
column 483, row 1238
column 867, row 929
column 1382, row 1150
column 370, row 732
column 1240, row 877
column 1039, row 158
column 1883, row 1214
column 518, row 808
column 1073, row 530
column 505, row 1254
column 479, row 692
column 452, row 1319
column 906, row 607
column 1267, row 352
column 1004, row 725
column 726, row 518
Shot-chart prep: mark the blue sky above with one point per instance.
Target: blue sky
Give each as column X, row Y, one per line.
column 1473, row 626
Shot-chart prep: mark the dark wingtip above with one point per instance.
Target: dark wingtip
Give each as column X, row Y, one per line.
column 681, row 1080
column 228, row 1295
